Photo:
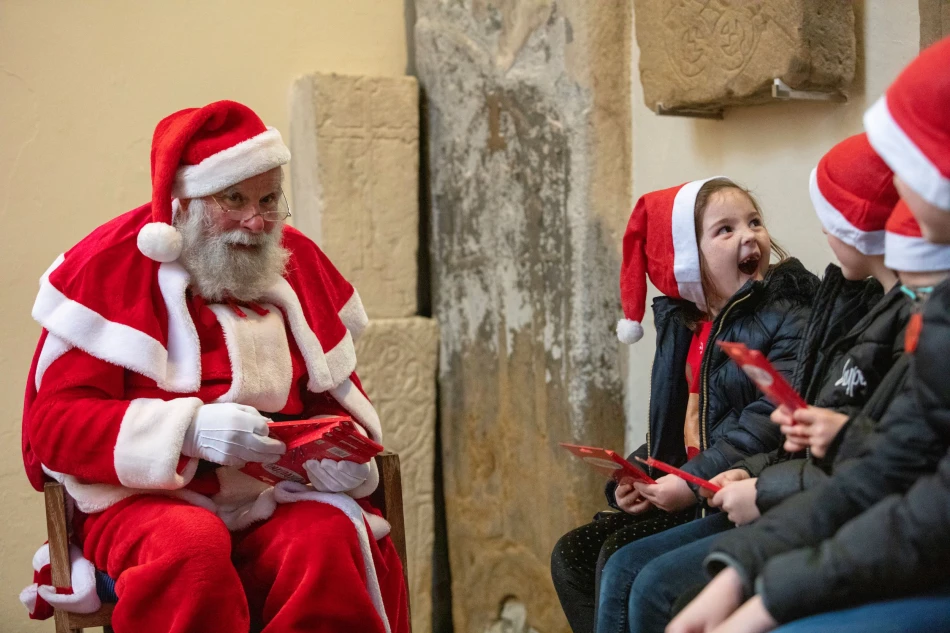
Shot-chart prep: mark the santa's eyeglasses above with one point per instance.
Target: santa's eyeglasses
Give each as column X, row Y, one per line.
column 238, row 208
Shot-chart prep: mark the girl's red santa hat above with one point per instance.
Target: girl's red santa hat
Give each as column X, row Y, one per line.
column 853, row 192
column 907, row 250
column 660, row 241
column 200, row 151
column 910, row 128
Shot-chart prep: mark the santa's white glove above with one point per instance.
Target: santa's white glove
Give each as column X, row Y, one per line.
column 231, row 435
column 328, row 475
column 41, row 597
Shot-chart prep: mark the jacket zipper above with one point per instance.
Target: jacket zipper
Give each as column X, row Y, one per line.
column 703, row 440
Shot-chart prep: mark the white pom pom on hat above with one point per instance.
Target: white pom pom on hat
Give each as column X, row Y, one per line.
column 159, row 242
column 200, row 151
column 629, row 332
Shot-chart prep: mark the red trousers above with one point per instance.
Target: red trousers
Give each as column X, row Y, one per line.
column 179, row 570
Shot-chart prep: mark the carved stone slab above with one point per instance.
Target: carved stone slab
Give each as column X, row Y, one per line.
column 529, row 162
column 397, row 365
column 355, row 167
column 934, row 21
column 706, row 54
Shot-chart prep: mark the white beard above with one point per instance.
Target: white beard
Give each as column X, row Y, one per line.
column 218, row 270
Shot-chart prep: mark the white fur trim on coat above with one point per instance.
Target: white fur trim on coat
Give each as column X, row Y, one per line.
column 228, row 167
column 261, row 368
column 291, row 492
column 148, row 447
column 354, row 316
column 53, row 348
column 359, row 407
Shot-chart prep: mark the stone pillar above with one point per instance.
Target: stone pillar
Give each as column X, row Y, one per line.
column 397, row 365
column 530, row 174
column 934, row 21
column 355, row 144
column 707, row 55
column 355, row 167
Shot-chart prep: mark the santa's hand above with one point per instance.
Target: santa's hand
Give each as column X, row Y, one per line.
column 328, row 475
column 231, row 435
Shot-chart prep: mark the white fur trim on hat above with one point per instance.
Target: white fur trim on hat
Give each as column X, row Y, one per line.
column 159, row 242
column 685, row 247
column 915, row 254
column 904, row 157
column 219, row 171
column 868, row 242
column 629, row 332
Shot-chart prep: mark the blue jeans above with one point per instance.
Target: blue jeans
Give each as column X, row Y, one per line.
column 924, row 614
column 641, row 581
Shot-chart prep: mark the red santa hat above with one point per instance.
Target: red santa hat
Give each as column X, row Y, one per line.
column 200, row 151
column 660, row 241
column 907, row 250
column 910, row 128
column 853, row 192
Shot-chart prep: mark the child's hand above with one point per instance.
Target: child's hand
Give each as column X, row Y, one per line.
column 669, row 493
column 630, row 500
column 796, row 438
column 752, row 617
column 723, row 479
column 717, row 601
column 738, row 501
column 821, row 426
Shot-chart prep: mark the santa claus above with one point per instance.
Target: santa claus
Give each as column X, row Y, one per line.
column 171, row 336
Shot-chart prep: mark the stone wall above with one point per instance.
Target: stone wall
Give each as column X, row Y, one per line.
column 711, row 54
column 529, row 165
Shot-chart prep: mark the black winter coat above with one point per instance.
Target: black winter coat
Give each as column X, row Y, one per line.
column 838, row 307
column 768, row 315
column 855, row 366
column 879, row 528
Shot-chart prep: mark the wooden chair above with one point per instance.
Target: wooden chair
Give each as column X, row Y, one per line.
column 388, row 498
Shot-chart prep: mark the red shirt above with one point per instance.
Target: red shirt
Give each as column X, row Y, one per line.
column 694, row 363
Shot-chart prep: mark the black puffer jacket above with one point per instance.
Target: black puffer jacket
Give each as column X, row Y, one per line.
column 855, row 365
column 879, row 527
column 768, row 315
column 838, row 307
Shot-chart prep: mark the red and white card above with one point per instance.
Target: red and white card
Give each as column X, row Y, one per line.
column 335, row 438
column 609, row 464
column 764, row 375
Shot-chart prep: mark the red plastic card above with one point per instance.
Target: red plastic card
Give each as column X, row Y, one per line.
column 682, row 474
column 333, row 438
column 758, row 368
column 609, row 463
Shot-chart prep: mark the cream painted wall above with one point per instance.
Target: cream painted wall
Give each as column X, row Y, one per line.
column 82, row 85
column 771, row 149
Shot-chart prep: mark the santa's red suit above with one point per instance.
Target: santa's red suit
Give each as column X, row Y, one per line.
column 127, row 356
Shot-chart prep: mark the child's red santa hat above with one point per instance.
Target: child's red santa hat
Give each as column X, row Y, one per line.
column 660, row 241
column 200, row 151
column 853, row 192
column 910, row 128
column 907, row 250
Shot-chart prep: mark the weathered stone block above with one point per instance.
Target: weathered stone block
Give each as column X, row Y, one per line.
column 706, row 54
column 934, row 21
column 355, row 143
column 529, row 162
column 397, row 365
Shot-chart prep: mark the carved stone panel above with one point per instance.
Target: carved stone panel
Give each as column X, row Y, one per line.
column 706, row 54
column 397, row 365
column 529, row 163
column 934, row 21
column 355, row 143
